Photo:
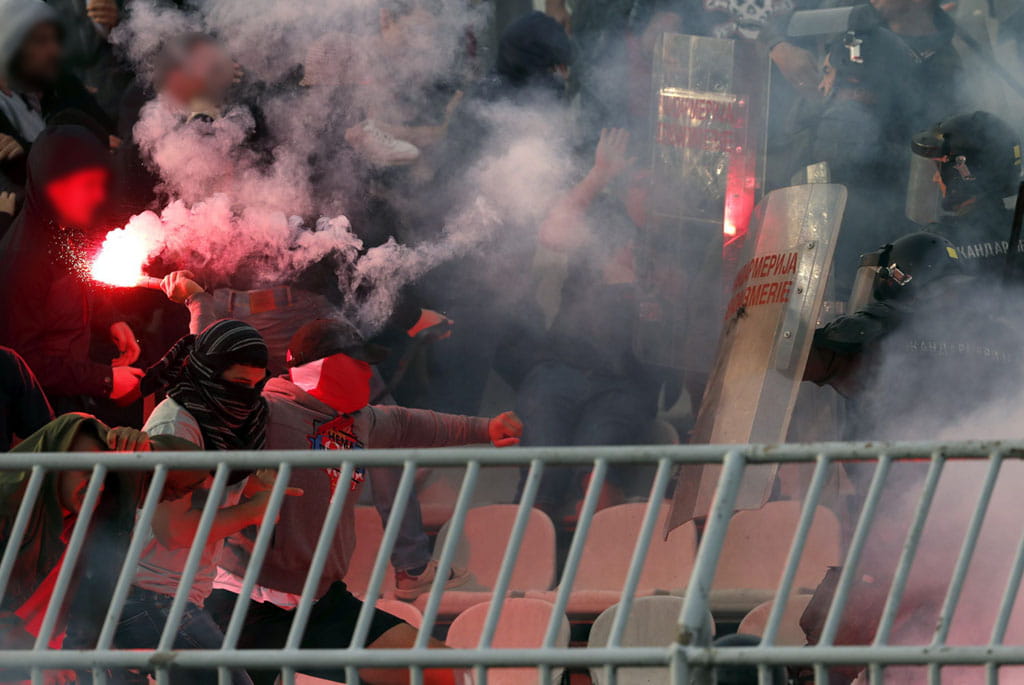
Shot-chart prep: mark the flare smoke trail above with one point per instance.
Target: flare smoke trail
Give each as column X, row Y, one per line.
column 233, row 208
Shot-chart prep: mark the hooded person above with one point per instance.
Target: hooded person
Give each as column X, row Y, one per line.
column 323, row 404
column 51, row 306
column 34, row 85
column 56, row 509
column 533, row 52
column 213, row 382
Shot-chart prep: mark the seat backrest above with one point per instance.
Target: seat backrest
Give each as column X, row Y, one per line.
column 523, row 625
column 790, row 634
column 369, row 534
column 485, row 534
column 407, row 611
column 757, row 544
column 653, row 622
column 609, row 550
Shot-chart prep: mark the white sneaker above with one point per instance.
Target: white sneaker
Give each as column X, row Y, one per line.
column 380, row 148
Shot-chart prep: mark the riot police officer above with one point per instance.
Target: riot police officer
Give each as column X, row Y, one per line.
column 929, row 347
column 916, row 362
column 978, row 159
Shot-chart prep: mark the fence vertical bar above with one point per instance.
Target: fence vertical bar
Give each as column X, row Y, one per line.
column 402, row 495
column 508, row 563
column 71, row 554
column 258, row 554
column 796, row 549
column 963, row 561
column 899, row 582
column 320, row 553
column 860, row 535
column 195, row 557
column 693, row 622
column 20, row 525
column 455, row 527
column 643, row 543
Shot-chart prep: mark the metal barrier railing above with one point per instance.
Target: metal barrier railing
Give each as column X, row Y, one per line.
column 688, row 654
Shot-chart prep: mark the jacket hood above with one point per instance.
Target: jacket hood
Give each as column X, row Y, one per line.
column 20, row 17
column 282, row 389
column 530, row 47
column 57, row 152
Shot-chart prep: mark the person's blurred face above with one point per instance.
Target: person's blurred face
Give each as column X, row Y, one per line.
column 207, row 72
column 37, row 63
column 77, row 197
column 245, row 376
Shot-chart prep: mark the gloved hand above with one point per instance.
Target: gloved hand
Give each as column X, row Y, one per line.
column 505, row 429
column 126, row 385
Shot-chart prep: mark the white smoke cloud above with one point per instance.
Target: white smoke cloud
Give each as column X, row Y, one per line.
column 237, row 209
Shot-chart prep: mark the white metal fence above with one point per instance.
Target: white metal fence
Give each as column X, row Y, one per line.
column 687, row 654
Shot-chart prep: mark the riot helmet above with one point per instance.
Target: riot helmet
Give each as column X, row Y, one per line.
column 908, row 265
column 874, row 62
column 978, row 154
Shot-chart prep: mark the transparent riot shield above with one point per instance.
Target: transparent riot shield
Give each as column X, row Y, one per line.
column 707, row 139
column 776, row 298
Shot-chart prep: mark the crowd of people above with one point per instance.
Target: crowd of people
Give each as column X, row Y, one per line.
column 226, row 361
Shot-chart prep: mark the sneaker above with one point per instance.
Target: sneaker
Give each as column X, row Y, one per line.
column 380, row 148
column 408, row 587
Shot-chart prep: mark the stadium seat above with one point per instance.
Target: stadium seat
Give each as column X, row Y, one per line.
column 790, row 634
column 369, row 534
column 754, row 556
column 523, row 624
column 482, row 548
column 609, row 550
column 403, row 610
column 652, row 622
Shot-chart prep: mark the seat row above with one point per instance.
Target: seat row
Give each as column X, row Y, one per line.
column 751, row 562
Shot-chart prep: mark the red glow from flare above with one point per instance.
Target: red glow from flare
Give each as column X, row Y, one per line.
column 120, row 259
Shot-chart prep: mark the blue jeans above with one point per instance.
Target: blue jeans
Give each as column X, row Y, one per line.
column 140, row 627
column 562, row 405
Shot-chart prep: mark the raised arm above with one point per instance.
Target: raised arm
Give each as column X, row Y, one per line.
column 565, row 226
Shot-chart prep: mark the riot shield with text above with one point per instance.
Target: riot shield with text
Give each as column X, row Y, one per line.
column 707, row 141
column 770, row 320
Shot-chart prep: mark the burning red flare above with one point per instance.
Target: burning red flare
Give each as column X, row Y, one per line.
column 120, row 261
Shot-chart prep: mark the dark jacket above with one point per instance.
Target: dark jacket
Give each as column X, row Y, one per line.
column 24, row 408
column 48, row 298
column 911, row 370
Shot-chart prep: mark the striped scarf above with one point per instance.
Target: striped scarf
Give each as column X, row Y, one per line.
column 231, row 416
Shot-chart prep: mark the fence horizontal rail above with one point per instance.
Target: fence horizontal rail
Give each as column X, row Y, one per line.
column 570, row 657
column 681, row 454
column 810, row 535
